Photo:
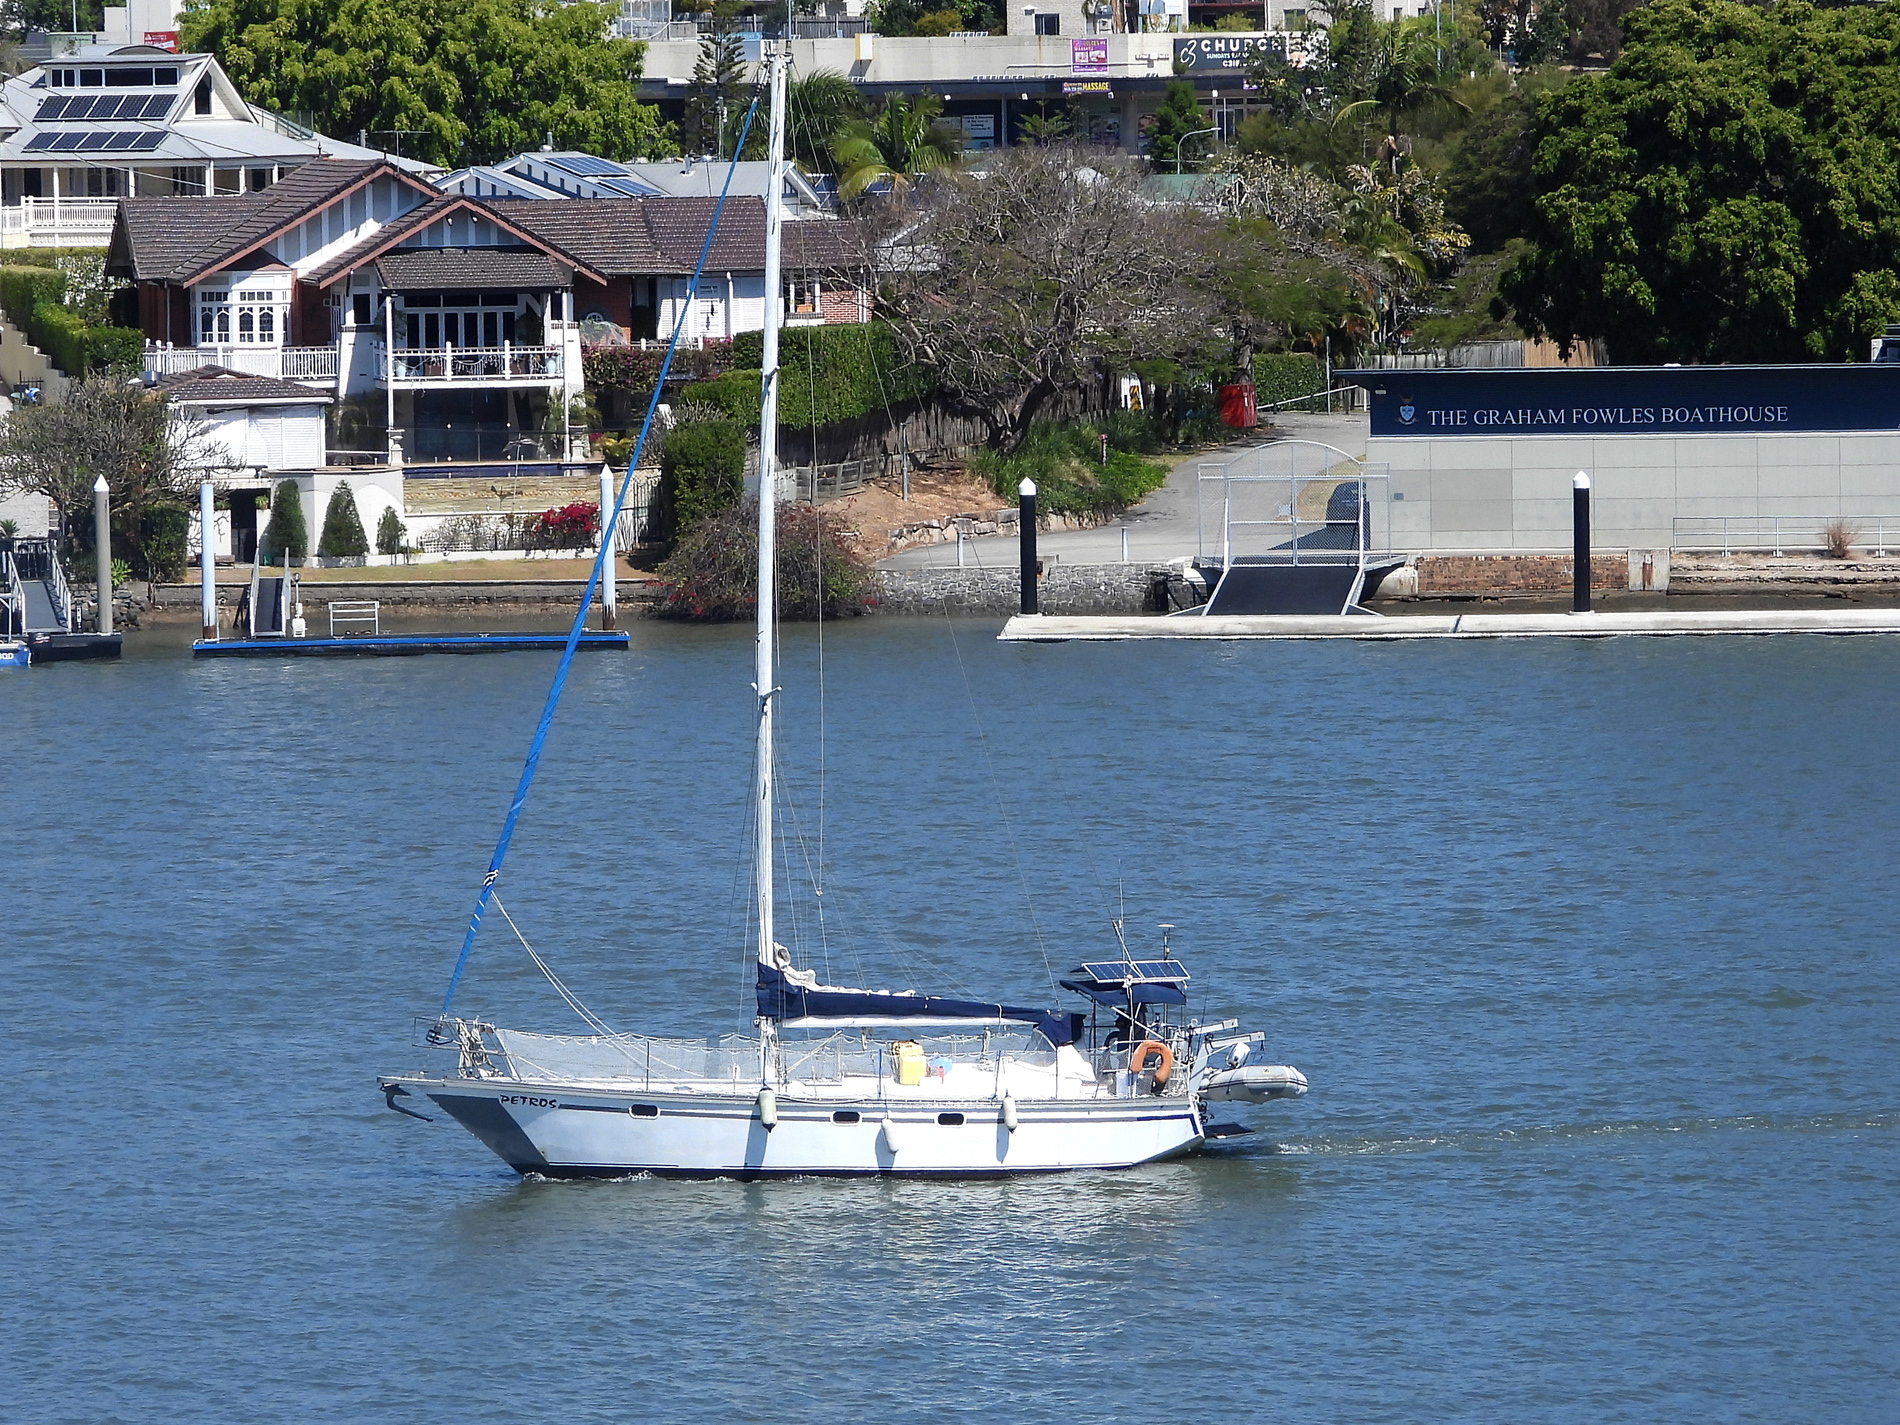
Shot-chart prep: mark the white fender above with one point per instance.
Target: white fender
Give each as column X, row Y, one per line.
column 768, row 1109
column 1010, row 1119
column 889, row 1128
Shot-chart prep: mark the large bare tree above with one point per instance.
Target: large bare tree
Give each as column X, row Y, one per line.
column 151, row 453
column 1037, row 275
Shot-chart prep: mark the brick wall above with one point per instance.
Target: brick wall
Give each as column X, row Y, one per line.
column 1514, row 573
column 840, row 306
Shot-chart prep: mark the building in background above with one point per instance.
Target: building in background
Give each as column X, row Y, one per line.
column 84, row 129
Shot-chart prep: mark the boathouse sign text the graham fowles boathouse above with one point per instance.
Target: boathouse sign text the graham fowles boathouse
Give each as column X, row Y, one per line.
column 1630, row 400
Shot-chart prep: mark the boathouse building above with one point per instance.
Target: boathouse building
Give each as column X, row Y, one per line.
column 1680, row 456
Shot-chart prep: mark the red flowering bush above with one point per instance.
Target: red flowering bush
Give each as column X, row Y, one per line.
column 570, row 527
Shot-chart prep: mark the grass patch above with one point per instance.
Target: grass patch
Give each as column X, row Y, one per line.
column 1071, row 476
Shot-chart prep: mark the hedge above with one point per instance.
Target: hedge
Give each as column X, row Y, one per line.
column 32, row 299
column 857, row 366
column 43, row 256
column 1282, row 376
column 736, row 393
column 702, row 471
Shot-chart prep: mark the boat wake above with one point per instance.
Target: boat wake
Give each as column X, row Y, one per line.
column 1500, row 1139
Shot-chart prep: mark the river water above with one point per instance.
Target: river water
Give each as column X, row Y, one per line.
column 1587, row 948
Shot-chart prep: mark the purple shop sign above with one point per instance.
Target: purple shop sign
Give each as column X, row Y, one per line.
column 1088, row 56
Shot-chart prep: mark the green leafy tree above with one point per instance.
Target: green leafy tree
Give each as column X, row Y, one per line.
column 286, row 538
column 390, row 531
column 1727, row 192
column 1179, row 115
column 342, row 536
column 902, row 144
column 1487, row 183
column 473, row 80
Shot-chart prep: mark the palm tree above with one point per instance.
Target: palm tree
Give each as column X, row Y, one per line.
column 1405, row 80
column 898, row 147
column 818, row 105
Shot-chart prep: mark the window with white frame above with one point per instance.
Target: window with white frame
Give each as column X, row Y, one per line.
column 247, row 316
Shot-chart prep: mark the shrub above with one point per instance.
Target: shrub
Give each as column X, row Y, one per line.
column 702, row 471
column 390, row 532
column 286, row 534
column 342, row 536
column 1071, row 479
column 1838, row 538
column 163, row 548
column 712, row 574
column 569, row 527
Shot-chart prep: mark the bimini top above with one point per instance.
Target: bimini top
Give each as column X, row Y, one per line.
column 1116, row 982
column 797, row 1000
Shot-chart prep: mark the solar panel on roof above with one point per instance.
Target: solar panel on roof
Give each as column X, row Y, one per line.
column 39, row 141
column 156, row 106
column 67, row 141
column 147, row 141
column 53, row 107
column 587, row 166
column 122, row 139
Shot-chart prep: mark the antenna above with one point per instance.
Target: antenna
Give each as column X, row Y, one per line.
column 1166, row 930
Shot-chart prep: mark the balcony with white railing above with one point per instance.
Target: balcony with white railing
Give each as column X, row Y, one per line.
column 445, row 366
column 61, row 222
column 313, row 365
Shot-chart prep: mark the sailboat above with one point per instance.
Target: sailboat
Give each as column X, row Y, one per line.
column 837, row 1080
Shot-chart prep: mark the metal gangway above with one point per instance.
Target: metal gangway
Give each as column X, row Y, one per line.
column 1290, row 527
column 34, row 594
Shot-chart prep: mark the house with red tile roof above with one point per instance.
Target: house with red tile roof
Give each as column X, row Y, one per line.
column 448, row 327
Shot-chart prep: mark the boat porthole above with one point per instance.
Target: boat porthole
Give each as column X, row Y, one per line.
column 846, row 1115
column 645, row 1110
column 950, row 1120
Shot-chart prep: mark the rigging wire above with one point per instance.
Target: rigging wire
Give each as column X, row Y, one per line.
column 989, row 766
column 588, row 1017
column 593, row 580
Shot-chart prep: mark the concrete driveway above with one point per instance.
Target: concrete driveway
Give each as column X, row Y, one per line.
column 1161, row 527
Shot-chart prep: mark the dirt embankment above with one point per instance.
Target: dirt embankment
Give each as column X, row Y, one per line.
column 882, row 521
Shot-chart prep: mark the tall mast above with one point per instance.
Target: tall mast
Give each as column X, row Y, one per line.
column 763, row 684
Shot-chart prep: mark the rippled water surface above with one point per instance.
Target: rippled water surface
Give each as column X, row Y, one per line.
column 1588, row 949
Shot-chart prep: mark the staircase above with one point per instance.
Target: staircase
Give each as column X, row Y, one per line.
column 34, row 597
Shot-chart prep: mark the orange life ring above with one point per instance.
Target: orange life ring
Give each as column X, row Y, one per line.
column 1137, row 1059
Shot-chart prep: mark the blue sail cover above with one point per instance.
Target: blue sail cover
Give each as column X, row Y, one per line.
column 783, row 998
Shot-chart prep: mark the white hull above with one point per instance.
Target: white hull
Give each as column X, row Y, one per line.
column 554, row 1131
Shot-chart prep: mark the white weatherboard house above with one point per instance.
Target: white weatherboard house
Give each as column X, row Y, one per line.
column 449, row 327
column 85, row 129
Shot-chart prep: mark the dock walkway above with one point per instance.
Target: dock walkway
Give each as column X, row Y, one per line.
column 1047, row 628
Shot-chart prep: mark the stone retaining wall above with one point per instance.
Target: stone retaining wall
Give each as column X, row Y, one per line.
column 1065, row 589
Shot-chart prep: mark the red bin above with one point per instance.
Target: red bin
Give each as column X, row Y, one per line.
column 1237, row 406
